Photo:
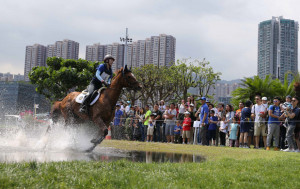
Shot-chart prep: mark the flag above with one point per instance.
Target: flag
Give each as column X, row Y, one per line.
column 36, row 106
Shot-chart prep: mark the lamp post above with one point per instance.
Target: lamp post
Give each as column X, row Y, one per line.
column 126, row 39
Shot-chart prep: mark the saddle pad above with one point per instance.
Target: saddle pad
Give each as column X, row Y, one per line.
column 79, row 99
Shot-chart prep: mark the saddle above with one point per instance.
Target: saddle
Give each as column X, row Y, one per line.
column 95, row 96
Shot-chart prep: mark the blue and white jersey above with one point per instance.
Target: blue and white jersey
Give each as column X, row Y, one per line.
column 103, row 73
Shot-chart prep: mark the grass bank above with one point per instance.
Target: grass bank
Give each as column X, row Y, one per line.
column 224, row 168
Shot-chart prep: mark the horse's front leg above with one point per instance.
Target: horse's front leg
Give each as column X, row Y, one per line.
column 103, row 131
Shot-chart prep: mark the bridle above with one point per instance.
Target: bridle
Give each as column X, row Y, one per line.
column 126, row 80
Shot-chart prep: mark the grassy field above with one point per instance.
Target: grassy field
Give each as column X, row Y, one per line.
column 224, row 168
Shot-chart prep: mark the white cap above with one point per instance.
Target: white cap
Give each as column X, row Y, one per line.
column 186, row 112
column 264, row 98
column 191, row 104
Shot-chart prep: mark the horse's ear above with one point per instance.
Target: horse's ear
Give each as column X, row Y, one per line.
column 126, row 69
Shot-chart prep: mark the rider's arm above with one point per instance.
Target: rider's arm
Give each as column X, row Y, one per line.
column 109, row 79
column 98, row 76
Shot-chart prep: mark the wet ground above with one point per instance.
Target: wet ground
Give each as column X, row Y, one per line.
column 9, row 154
column 23, row 145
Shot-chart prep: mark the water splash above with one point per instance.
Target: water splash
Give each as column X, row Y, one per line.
column 58, row 138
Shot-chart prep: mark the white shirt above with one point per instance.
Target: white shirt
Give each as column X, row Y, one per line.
column 257, row 109
column 181, row 109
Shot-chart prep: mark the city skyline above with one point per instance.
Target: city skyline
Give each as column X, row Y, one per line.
column 222, row 32
column 156, row 50
column 277, row 48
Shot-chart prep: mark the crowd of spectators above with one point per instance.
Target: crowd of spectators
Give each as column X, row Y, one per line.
column 262, row 124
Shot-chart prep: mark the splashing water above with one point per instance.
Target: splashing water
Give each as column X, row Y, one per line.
column 58, row 138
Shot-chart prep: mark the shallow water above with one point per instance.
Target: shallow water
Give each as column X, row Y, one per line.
column 18, row 144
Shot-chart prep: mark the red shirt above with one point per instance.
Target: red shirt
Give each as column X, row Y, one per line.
column 188, row 121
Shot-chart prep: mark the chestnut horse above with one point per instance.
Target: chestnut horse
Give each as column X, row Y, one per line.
column 102, row 112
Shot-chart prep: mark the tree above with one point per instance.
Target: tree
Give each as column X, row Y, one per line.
column 264, row 87
column 206, row 78
column 186, row 76
column 62, row 76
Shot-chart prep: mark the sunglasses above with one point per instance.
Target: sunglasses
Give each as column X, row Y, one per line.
column 275, row 100
column 293, row 100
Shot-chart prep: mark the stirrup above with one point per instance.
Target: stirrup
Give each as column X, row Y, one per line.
column 83, row 109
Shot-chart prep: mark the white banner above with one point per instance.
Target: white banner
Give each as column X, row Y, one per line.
column 196, row 124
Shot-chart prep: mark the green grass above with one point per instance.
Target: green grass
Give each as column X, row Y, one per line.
column 224, row 168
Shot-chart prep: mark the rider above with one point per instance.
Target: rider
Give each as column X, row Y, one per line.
column 103, row 77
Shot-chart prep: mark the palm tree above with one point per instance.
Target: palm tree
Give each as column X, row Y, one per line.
column 285, row 89
column 254, row 86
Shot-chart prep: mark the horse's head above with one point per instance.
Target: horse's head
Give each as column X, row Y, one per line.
column 129, row 81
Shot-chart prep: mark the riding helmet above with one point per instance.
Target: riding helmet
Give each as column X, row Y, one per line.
column 107, row 57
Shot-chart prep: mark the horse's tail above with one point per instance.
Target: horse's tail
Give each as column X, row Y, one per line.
column 56, row 111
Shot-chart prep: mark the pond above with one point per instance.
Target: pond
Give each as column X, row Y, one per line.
column 69, row 144
column 12, row 154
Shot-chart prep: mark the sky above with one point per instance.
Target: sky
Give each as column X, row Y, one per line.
column 224, row 32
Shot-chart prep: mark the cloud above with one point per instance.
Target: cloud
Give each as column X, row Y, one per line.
column 222, row 31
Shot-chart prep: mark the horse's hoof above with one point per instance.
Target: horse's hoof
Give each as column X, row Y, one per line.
column 91, row 149
column 94, row 141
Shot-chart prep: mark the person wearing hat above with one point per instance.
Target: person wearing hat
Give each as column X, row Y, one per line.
column 186, row 128
column 203, row 115
column 102, row 77
column 117, row 122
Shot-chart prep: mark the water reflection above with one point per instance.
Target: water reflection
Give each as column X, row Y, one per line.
column 100, row 154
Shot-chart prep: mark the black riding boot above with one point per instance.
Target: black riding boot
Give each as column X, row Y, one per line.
column 84, row 106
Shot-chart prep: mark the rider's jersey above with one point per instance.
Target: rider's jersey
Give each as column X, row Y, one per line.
column 103, row 73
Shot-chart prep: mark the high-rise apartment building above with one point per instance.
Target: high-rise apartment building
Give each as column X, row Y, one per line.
column 35, row 56
column 66, row 49
column 277, row 48
column 157, row 50
column 95, row 52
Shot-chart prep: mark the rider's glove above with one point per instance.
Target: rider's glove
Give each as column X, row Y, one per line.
column 105, row 83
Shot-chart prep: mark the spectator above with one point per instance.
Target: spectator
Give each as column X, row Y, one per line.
column 233, row 132
column 245, row 125
column 193, row 101
column 186, row 127
column 129, row 123
column 212, row 107
column 140, row 115
column 177, row 132
column 229, row 116
column 203, row 120
column 223, row 130
column 213, row 120
column 146, row 119
column 158, row 120
column 193, row 118
column 127, row 108
column 286, row 106
column 162, row 106
column 265, row 101
column 238, row 117
column 297, row 134
column 181, row 110
column 170, row 123
column 177, row 110
column 122, row 106
column 293, row 116
column 117, row 122
column 136, row 130
column 221, row 113
column 164, row 139
column 150, row 130
column 273, row 124
column 259, row 113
